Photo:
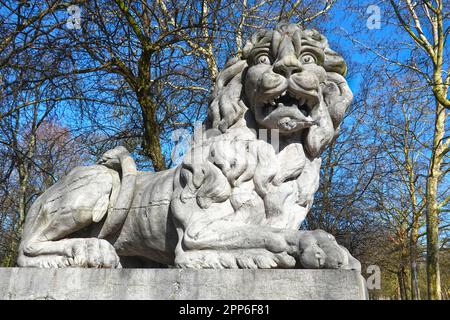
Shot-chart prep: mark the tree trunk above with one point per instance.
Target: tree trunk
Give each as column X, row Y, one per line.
column 405, row 283
column 416, row 212
column 151, row 137
column 401, row 285
column 415, row 291
column 24, row 166
column 17, row 227
column 432, row 214
column 413, row 254
column 433, row 274
column 413, row 251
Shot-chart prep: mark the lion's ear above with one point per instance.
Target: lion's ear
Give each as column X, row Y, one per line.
column 337, row 96
column 334, row 62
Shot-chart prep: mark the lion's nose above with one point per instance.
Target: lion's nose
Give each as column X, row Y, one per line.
column 287, row 71
column 287, row 66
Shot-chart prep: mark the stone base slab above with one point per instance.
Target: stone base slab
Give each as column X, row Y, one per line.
column 180, row 284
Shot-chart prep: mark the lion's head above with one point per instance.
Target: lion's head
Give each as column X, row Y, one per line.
column 287, row 79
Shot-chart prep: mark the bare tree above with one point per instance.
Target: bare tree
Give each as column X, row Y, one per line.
column 417, row 19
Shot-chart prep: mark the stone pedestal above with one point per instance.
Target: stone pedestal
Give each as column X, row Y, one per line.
column 177, row 284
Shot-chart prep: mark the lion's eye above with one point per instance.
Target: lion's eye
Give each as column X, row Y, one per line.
column 308, row 58
column 263, row 59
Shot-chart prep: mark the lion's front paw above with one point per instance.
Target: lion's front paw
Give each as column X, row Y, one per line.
column 318, row 249
column 93, row 252
column 264, row 259
column 205, row 259
column 234, row 259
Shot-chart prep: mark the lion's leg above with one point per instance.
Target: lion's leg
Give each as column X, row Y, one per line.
column 79, row 252
column 43, row 247
column 233, row 259
column 224, row 244
column 216, row 245
column 47, row 261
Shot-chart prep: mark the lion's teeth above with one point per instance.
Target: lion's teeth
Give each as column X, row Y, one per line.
column 272, row 103
column 283, row 94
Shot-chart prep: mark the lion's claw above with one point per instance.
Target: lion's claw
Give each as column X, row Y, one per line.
column 96, row 253
column 243, row 259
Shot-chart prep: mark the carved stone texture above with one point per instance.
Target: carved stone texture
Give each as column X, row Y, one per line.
column 179, row 284
column 242, row 191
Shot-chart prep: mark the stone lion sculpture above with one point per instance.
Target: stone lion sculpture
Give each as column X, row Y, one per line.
column 242, row 191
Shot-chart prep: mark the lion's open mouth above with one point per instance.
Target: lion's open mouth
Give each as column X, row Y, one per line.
column 288, row 111
column 290, row 100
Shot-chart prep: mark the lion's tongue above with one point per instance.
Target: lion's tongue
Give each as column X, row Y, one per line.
column 289, row 111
